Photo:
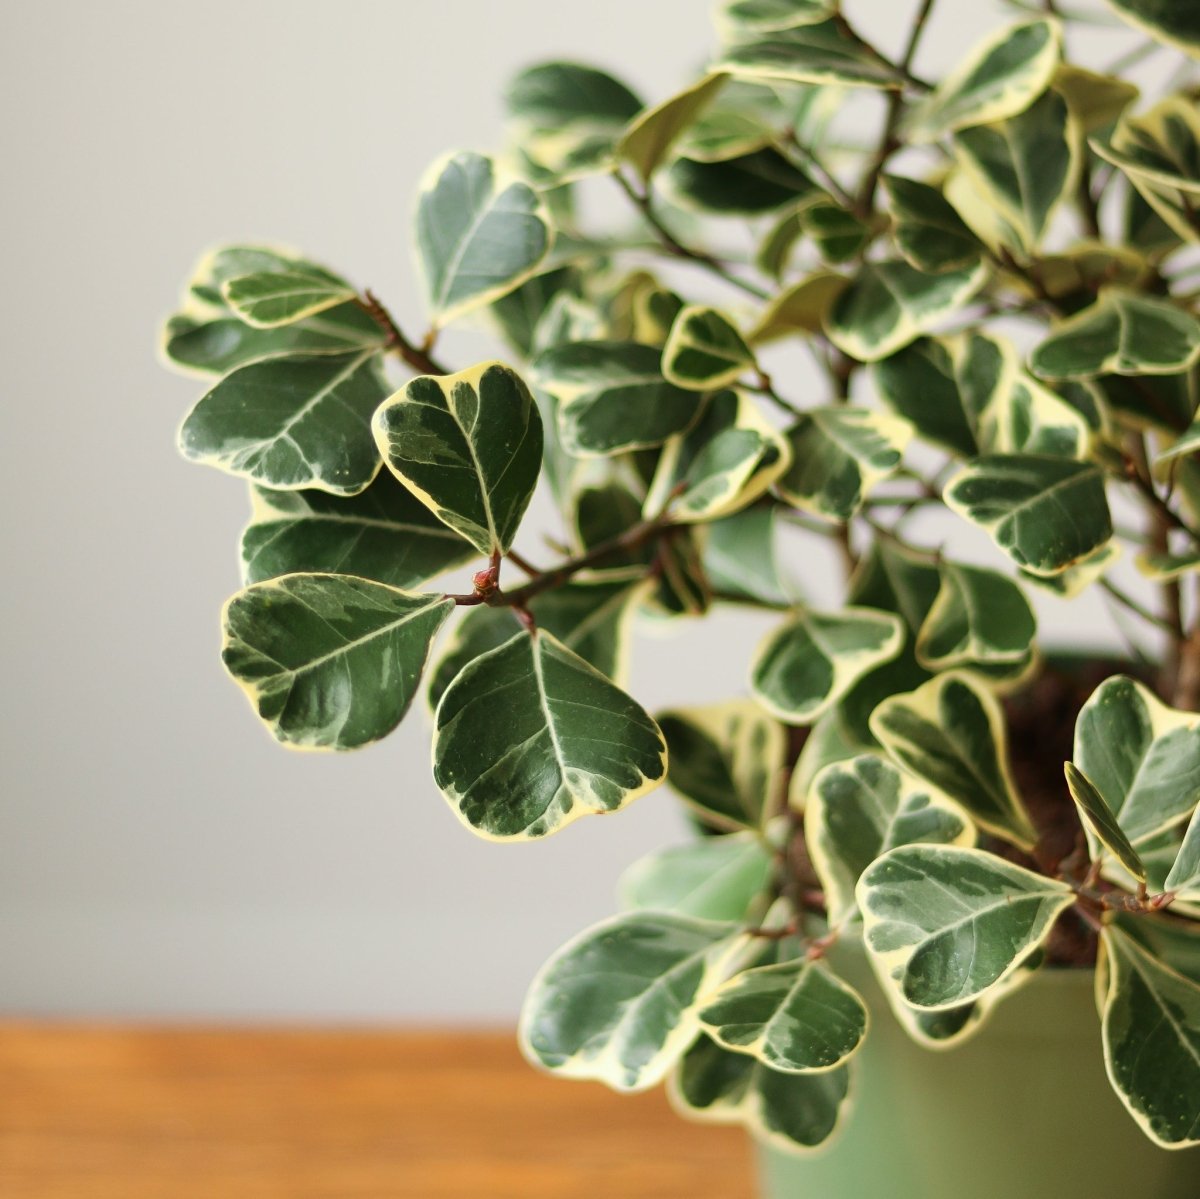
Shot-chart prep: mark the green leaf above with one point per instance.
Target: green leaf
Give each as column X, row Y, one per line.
column 1121, row 334
column 613, row 396
column 478, row 631
column 725, row 461
column 838, row 234
column 1175, row 22
column 1184, row 875
column 999, row 78
column 928, row 232
column 950, row 732
column 769, row 16
column 1160, row 402
column 715, row 878
column 1164, row 567
column 529, row 737
column 1150, row 1021
column 646, row 142
column 1046, row 513
column 1141, row 756
column 329, row 661
column 889, row 304
column 979, row 617
column 796, row 1017
column 468, row 446
column 1095, row 100
column 293, row 421
column 896, row 579
column 838, row 455
column 520, row 313
column 478, row 235
column 1024, row 167
column 726, row 760
column 617, row 1003
column 1100, row 821
column 1188, row 442
column 683, row 588
column 271, row 298
column 704, row 351
column 739, row 555
column 806, row 665
column 801, row 308
column 793, row 1112
column 748, row 185
column 826, row 52
column 383, row 533
column 858, row 809
column 946, row 924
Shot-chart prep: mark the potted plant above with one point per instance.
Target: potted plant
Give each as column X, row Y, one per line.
column 917, row 829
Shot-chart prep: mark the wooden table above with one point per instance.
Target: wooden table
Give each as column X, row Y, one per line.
column 135, row 1113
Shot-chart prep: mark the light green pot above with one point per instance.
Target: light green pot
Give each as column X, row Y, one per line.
column 1024, row 1110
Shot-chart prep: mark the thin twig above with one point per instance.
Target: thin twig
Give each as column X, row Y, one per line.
column 416, row 357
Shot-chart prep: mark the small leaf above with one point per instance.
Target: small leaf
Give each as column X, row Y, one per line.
column 1121, row 334
column 858, row 809
column 1164, row 567
column 715, row 878
column 889, row 304
column 946, row 924
column 613, row 396
column 739, row 556
column 769, row 16
column 1175, row 22
column 750, row 185
column 809, row 663
column 950, row 733
column 529, row 737
column 646, row 142
column 726, row 760
column 617, row 1003
column 704, row 351
column 1150, row 1020
column 272, row 298
column 801, row 308
column 469, row 447
column 1141, row 756
column 998, row 78
column 838, row 455
column 520, row 313
column 478, row 236
column 292, row 421
column 1099, row 819
column 837, row 233
column 1184, row 875
column 329, row 661
column 383, row 533
column 826, row 52
column 796, row 1017
column 979, row 617
column 928, row 232
column 1095, row 100
column 1046, row 513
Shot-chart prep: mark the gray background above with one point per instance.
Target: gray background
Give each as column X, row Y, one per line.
column 158, row 853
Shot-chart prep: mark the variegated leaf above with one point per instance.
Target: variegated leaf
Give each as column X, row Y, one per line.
column 704, row 350
column 980, row 617
column 801, row 308
column 928, row 231
column 646, row 142
column 267, row 299
column 1099, row 820
column 751, row 184
column 1176, row 22
column 1184, row 875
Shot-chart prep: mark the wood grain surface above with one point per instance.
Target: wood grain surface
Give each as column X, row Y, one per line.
column 135, row 1113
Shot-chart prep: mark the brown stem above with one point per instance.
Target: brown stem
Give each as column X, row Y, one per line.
column 415, row 356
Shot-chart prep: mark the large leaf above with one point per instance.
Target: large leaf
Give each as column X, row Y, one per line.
column 1121, row 334
column 1023, row 168
column 617, row 1003
column 858, row 809
column 945, row 924
column 809, row 663
column 704, row 351
column 825, row 52
column 529, row 737
column 478, row 235
column 838, row 454
column 796, row 1017
column 647, row 140
column 469, row 446
column 714, row 878
column 329, row 661
column 270, row 298
column 997, row 79
column 748, row 185
column 613, row 396
column 979, row 617
column 725, row 461
column 1046, row 513
column 1141, row 756
column 950, row 733
column 1150, row 1018
column 889, row 304
column 740, row 559
column 384, row 533
column 292, row 421
column 727, row 760
column 1176, row 22
column 928, row 231
column 1098, row 818
column 793, row 1112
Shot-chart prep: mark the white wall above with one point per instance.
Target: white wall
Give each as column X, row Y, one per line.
column 158, row 852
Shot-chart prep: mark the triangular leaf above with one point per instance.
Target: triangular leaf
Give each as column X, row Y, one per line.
column 1184, row 875
column 647, row 140
column 704, row 351
column 1100, row 821
column 928, row 232
column 801, row 308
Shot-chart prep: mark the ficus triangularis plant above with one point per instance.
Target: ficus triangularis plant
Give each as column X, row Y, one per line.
column 1000, row 290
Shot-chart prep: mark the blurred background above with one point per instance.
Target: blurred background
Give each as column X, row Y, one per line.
column 159, row 854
